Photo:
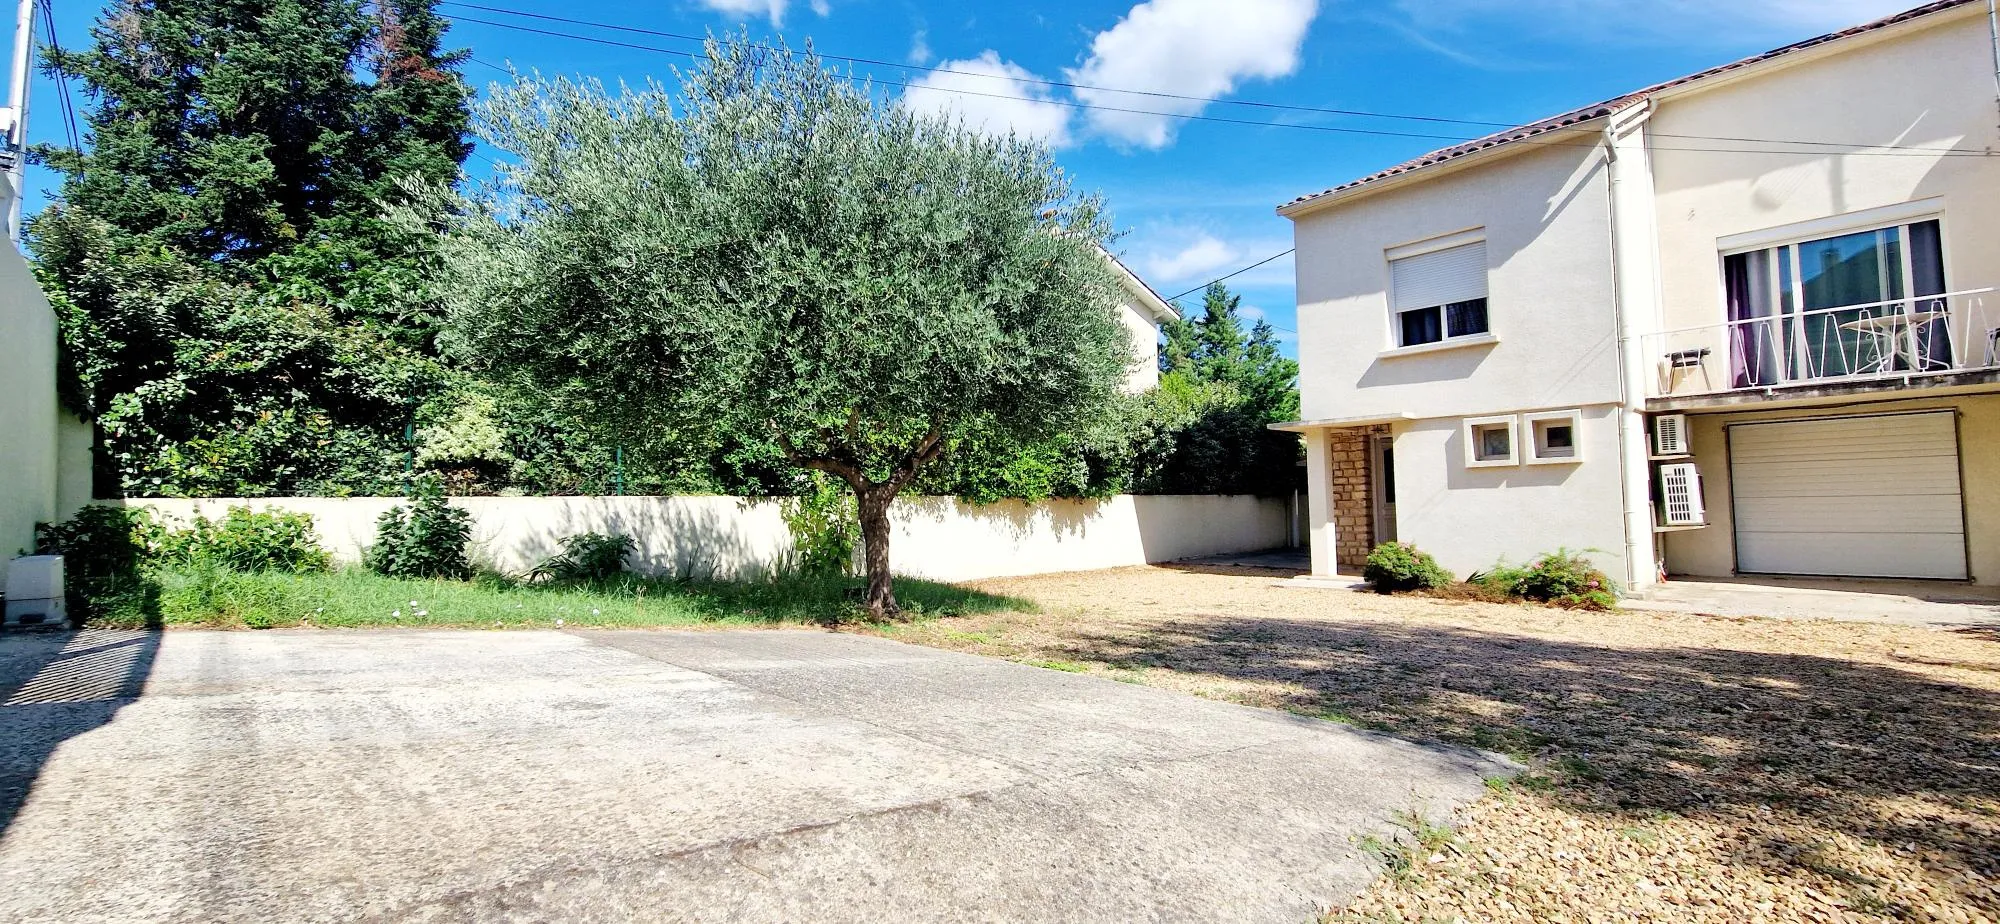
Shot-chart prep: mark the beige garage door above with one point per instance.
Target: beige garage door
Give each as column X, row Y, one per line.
column 1858, row 496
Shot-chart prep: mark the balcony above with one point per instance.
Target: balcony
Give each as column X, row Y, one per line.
column 1907, row 342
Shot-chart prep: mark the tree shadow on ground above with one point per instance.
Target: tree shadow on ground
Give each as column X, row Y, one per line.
column 55, row 686
column 1795, row 750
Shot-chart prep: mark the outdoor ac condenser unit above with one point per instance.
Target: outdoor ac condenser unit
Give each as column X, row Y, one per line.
column 1680, row 495
column 1670, row 435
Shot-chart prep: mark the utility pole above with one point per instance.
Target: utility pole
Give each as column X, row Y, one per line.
column 16, row 115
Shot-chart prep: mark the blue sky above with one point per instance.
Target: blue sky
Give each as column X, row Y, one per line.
column 1195, row 199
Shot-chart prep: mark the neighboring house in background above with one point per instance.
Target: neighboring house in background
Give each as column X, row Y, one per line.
column 1143, row 312
column 1740, row 322
column 44, row 450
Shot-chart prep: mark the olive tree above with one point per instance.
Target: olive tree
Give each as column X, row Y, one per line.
column 776, row 253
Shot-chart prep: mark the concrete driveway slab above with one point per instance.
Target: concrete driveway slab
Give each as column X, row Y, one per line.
column 661, row 776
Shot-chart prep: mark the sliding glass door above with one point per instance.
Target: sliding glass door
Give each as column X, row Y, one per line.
column 1835, row 307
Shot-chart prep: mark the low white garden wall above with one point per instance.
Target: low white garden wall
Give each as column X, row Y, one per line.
column 731, row 537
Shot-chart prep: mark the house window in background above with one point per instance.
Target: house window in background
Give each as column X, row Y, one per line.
column 1850, row 304
column 1437, row 289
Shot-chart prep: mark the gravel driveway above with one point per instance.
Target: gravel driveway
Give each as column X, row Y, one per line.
column 685, row 776
column 1683, row 768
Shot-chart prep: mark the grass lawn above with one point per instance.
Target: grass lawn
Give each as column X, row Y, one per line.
column 1682, row 767
column 355, row 597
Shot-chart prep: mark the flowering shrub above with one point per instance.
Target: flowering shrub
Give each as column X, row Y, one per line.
column 1560, row 578
column 1395, row 567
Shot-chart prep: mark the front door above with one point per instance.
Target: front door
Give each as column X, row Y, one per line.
column 1382, row 458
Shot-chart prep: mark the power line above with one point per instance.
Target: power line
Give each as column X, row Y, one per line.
column 939, row 69
column 695, row 56
column 508, row 71
column 1892, row 150
column 62, row 78
column 1287, row 251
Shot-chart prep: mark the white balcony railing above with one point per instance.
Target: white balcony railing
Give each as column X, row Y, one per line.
column 1905, row 338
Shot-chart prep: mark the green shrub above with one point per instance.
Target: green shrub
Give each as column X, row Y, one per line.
column 823, row 526
column 248, row 541
column 106, row 552
column 1396, row 567
column 425, row 540
column 1560, row 578
column 585, row 557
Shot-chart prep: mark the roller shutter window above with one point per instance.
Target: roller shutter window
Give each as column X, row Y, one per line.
column 1439, row 295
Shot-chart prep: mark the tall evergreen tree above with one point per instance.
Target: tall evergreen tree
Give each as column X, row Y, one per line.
column 1219, row 388
column 236, row 312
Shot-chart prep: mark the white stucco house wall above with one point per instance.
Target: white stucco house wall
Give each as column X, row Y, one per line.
column 1142, row 311
column 44, row 450
column 1741, row 322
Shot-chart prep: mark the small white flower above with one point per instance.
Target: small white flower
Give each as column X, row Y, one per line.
column 396, row 615
column 595, row 612
column 413, row 604
column 421, row 613
column 559, row 623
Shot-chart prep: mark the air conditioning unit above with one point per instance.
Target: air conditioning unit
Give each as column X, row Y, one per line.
column 1680, row 495
column 1670, row 435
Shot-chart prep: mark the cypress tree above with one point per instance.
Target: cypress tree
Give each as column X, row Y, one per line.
column 237, row 315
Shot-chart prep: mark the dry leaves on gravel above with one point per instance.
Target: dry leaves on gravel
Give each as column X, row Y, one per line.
column 1686, row 768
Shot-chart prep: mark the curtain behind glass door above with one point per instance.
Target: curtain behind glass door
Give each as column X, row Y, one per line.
column 1754, row 348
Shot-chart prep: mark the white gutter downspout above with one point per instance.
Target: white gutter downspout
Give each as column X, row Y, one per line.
column 17, row 116
column 1993, row 32
column 1636, row 306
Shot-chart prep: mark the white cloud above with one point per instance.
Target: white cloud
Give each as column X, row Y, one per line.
column 920, row 48
column 994, row 96
column 1650, row 20
column 1197, row 48
column 775, row 9
column 1196, row 261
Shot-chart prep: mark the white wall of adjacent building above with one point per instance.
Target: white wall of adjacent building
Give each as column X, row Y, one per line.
column 1145, row 369
column 940, row 538
column 44, row 451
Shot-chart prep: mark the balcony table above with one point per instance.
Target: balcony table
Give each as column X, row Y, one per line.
column 1892, row 329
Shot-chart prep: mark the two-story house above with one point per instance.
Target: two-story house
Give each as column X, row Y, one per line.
column 1741, row 322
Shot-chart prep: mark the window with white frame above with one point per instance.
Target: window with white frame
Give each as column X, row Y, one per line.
column 1552, row 437
column 1490, row 441
column 1437, row 289
column 1829, row 306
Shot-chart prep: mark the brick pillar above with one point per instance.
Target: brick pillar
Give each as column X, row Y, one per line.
column 1353, row 510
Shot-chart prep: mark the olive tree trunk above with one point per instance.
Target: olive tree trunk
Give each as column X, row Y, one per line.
column 871, row 506
column 872, row 509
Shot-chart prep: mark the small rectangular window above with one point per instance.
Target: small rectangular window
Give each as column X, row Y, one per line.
column 1490, row 441
column 1439, row 294
column 1552, row 436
